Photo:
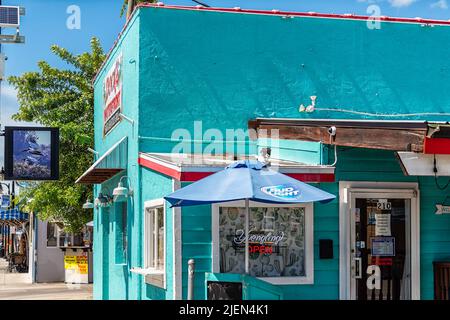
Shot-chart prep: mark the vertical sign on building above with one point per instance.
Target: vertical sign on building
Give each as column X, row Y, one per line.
column 112, row 96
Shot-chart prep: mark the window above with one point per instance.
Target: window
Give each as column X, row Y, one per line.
column 154, row 267
column 280, row 242
column 155, row 240
column 121, row 232
column 52, row 234
column 57, row 237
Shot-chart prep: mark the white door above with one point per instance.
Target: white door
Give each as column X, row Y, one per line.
column 381, row 251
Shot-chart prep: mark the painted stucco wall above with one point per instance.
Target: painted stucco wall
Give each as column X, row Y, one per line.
column 50, row 260
column 195, row 67
column 182, row 66
column 156, row 186
column 112, row 280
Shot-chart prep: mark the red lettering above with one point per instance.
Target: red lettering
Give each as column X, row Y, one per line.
column 260, row 249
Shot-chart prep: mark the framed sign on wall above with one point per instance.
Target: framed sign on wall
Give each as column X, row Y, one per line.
column 31, row 153
column 112, row 96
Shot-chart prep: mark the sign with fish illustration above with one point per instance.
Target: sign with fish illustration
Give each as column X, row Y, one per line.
column 31, row 153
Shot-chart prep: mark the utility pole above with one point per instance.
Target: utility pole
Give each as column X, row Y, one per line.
column 9, row 18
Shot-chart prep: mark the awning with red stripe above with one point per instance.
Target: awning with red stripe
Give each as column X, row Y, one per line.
column 193, row 167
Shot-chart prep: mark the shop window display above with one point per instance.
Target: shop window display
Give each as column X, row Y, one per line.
column 276, row 241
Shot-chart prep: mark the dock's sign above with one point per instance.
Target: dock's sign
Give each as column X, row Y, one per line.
column 112, row 96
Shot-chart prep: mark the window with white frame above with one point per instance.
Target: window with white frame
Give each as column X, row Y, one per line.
column 280, row 242
column 154, row 236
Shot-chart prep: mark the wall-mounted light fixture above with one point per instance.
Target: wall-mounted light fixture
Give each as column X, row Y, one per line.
column 121, row 193
column 88, row 205
column 103, row 200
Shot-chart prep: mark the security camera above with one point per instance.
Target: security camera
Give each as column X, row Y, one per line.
column 332, row 131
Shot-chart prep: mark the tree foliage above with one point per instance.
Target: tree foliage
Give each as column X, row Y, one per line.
column 65, row 99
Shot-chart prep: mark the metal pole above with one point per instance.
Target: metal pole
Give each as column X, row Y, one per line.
column 191, row 273
column 247, row 254
column 13, row 193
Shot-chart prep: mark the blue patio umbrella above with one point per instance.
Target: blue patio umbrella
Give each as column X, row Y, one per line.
column 247, row 180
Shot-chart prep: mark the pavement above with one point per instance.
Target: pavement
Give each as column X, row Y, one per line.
column 18, row 286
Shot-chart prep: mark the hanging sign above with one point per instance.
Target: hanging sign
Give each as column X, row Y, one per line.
column 31, row 153
column 5, row 201
column 383, row 225
column 282, row 191
column 442, row 209
column 383, row 246
column 112, row 96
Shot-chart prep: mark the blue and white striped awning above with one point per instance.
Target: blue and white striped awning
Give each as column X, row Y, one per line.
column 13, row 215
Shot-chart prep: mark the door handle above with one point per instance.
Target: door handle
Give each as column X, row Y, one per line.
column 358, row 268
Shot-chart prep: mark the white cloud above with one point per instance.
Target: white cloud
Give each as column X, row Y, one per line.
column 401, row 3
column 441, row 4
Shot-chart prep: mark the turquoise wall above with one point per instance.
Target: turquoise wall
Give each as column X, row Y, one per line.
column 196, row 68
column 182, row 66
column 112, row 279
column 197, row 245
column 156, row 186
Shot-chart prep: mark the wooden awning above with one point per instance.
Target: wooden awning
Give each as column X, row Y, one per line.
column 372, row 134
column 108, row 165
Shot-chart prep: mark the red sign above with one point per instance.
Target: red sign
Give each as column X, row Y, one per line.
column 112, row 96
column 381, row 261
column 260, row 249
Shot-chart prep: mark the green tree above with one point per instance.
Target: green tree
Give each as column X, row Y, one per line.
column 62, row 98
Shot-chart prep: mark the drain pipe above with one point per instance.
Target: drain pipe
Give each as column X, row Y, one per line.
column 191, row 274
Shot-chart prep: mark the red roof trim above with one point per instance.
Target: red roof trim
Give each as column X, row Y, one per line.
column 270, row 12
column 160, row 168
column 194, row 176
column 299, row 14
column 312, row 177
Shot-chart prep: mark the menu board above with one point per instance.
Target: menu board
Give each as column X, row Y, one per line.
column 78, row 263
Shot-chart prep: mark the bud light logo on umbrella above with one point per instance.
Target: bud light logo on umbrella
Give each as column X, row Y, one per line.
column 282, row 191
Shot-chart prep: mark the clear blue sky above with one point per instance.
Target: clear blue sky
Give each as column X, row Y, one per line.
column 45, row 24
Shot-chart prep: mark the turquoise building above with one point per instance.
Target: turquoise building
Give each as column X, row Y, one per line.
column 355, row 107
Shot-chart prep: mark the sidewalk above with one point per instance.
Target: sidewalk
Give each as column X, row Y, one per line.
column 17, row 286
